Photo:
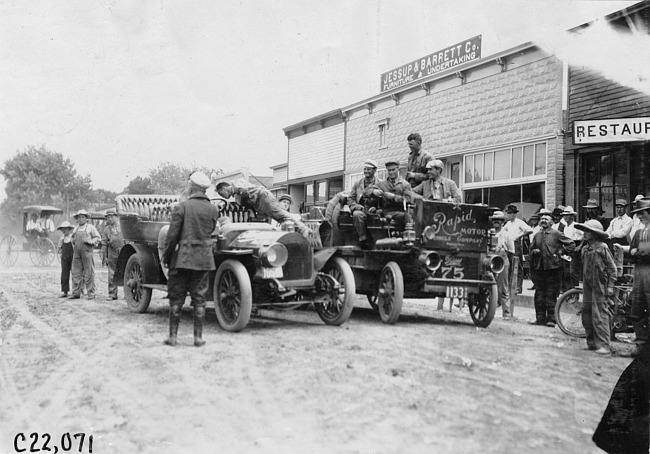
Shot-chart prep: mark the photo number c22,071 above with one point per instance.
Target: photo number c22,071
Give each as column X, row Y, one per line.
column 67, row 442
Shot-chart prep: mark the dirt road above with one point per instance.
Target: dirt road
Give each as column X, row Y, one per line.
column 287, row 383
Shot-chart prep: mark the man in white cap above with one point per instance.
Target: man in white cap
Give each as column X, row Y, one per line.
column 618, row 232
column 188, row 254
column 437, row 187
column 416, row 170
column 84, row 238
column 261, row 200
column 285, row 201
column 360, row 200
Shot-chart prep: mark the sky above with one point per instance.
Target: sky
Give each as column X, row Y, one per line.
column 120, row 86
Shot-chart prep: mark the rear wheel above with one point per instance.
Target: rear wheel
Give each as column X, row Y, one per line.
column 391, row 293
column 42, row 252
column 568, row 313
column 9, row 250
column 336, row 309
column 483, row 305
column 233, row 296
column 137, row 297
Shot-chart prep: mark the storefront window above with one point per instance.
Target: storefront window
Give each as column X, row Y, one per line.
column 487, row 175
column 309, row 194
column 540, row 159
column 606, row 177
column 478, row 168
column 529, row 160
column 502, row 165
column 528, row 197
column 515, row 170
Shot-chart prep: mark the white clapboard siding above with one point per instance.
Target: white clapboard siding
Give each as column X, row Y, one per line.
column 317, row 152
column 279, row 175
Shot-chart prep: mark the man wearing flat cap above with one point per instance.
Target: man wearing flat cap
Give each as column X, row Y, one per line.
column 112, row 243
column 393, row 192
column 416, row 167
column 262, row 201
column 285, row 201
column 84, row 238
column 188, row 255
column 361, row 199
column 437, row 187
column 618, row 232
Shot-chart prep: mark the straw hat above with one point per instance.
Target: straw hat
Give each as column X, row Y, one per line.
column 81, row 213
column 498, row 215
column 569, row 210
column 642, row 205
column 593, row 226
column 65, row 225
column 591, row 203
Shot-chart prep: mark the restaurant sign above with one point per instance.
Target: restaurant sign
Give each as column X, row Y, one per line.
column 612, row 130
column 434, row 63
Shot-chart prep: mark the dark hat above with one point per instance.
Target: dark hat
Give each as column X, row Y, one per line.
column 621, row 202
column 512, row 209
column 593, row 226
column 111, row 213
column 391, row 162
column 591, row 203
column 285, row 197
column 642, row 205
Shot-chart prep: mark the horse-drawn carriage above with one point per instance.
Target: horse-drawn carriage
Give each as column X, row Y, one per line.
column 39, row 244
column 445, row 251
column 258, row 266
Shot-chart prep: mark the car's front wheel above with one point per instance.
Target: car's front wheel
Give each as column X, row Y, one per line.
column 233, row 296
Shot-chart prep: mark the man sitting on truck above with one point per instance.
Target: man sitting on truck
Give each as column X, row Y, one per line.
column 437, row 187
column 261, row 200
column 393, row 192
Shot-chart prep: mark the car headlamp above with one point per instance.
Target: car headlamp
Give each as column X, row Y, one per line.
column 274, row 255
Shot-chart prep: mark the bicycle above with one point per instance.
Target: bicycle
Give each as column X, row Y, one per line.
column 568, row 309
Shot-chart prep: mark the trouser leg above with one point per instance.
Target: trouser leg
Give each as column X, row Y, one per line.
column 552, row 291
column 174, row 321
column 66, row 266
column 177, row 286
column 539, row 279
column 359, row 221
column 503, row 290
column 77, row 275
column 587, row 315
column 601, row 320
column 641, row 297
column 88, row 265
column 112, row 266
column 198, row 289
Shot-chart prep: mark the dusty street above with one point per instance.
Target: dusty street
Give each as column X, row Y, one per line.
column 288, row 383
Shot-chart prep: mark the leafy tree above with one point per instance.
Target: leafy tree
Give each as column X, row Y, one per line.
column 40, row 176
column 171, row 178
column 139, row 185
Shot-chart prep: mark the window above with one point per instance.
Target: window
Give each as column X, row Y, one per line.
column 309, row 194
column 511, row 163
column 382, row 126
column 606, row 178
column 529, row 197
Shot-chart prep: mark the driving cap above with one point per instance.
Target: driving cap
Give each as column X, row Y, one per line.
column 435, row 163
column 111, row 213
column 621, row 202
column 391, row 162
column 285, row 197
column 370, row 163
column 200, row 179
column 80, row 213
column 591, row 203
column 593, row 226
column 65, row 225
column 512, row 209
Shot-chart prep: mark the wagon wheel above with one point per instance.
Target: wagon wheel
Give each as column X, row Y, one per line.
column 233, row 296
column 483, row 306
column 391, row 293
column 137, row 297
column 9, row 250
column 42, row 252
column 338, row 306
column 568, row 313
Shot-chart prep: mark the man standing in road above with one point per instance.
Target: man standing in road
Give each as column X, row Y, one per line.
column 188, row 254
column 437, row 187
column 572, row 268
column 618, row 232
column 505, row 247
column 416, row 167
column 640, row 252
column 359, row 200
column 84, row 237
column 516, row 228
column 112, row 242
column 261, row 200
column 546, row 268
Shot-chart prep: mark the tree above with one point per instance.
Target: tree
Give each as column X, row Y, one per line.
column 40, row 176
column 171, row 178
column 139, row 185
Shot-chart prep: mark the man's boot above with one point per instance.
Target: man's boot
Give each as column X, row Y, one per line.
column 199, row 316
column 174, row 320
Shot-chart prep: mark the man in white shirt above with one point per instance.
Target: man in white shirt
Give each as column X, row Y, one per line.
column 46, row 223
column 505, row 248
column 571, row 275
column 33, row 229
column 516, row 228
column 618, row 232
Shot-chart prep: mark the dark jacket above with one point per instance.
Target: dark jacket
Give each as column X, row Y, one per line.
column 191, row 227
column 547, row 247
